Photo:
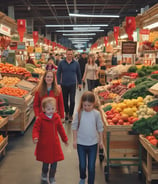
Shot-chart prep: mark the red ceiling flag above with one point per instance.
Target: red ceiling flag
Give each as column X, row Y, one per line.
column 21, row 27
column 130, row 27
column 106, row 40
column 116, row 34
column 53, row 45
column 35, row 37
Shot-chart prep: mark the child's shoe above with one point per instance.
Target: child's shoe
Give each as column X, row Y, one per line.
column 52, row 181
column 82, row 181
column 44, row 179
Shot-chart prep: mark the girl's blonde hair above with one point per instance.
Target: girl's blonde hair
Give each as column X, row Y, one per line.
column 48, row 100
column 93, row 59
column 42, row 89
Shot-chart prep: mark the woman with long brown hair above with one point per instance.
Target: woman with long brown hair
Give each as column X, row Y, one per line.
column 91, row 73
column 48, row 88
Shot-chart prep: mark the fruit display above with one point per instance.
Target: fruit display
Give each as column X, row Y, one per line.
column 117, row 70
column 153, row 138
column 11, row 69
column 9, row 81
column 33, row 69
column 33, row 79
column 7, row 110
column 13, row 91
column 107, row 95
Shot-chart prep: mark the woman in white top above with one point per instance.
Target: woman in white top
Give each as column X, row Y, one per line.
column 91, row 73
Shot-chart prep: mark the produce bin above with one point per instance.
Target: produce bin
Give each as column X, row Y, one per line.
column 150, row 164
column 121, row 147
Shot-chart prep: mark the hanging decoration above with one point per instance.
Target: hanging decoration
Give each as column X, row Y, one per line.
column 130, row 27
column 106, row 40
column 116, row 34
column 53, row 45
column 35, row 37
column 21, row 27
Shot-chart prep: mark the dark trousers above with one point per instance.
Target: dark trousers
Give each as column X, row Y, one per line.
column 52, row 169
column 89, row 152
column 69, row 93
column 91, row 84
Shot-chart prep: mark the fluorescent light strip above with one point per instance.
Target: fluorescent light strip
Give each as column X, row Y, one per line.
column 86, row 15
column 96, row 28
column 82, row 34
column 82, row 30
column 78, row 25
column 151, row 26
column 80, row 38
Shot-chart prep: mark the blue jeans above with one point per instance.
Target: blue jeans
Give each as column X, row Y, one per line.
column 89, row 152
column 69, row 94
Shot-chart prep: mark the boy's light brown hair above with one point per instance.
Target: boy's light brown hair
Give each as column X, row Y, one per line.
column 48, row 100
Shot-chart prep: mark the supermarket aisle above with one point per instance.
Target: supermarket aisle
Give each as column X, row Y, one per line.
column 20, row 167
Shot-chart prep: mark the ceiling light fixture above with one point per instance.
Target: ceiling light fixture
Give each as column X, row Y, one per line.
column 78, row 25
column 69, row 31
column 96, row 16
column 80, row 38
column 78, row 34
column 151, row 26
column 96, row 28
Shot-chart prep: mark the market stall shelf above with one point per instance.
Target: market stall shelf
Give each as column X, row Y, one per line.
column 121, row 147
column 4, row 141
column 150, row 166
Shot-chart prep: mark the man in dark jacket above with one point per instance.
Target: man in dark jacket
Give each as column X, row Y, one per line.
column 82, row 61
column 68, row 74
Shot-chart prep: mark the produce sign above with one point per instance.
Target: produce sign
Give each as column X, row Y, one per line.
column 13, row 91
column 129, row 47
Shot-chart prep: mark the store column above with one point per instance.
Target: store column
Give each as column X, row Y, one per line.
column 11, row 12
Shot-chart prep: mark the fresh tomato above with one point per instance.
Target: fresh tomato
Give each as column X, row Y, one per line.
column 154, row 141
column 150, row 137
column 155, row 132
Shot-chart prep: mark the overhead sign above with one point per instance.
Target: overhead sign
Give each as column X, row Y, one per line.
column 129, row 47
column 13, row 45
column 21, row 46
column 5, row 30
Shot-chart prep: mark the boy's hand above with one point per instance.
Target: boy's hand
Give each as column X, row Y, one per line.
column 35, row 141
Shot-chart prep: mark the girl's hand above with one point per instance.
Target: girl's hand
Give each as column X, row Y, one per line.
column 101, row 144
column 74, row 145
column 35, row 141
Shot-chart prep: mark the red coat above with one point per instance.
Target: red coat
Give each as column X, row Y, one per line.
column 59, row 103
column 48, row 148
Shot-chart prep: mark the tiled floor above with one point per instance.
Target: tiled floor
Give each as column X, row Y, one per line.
column 20, row 167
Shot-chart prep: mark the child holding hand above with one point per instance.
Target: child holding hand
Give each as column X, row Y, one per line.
column 45, row 135
column 86, row 126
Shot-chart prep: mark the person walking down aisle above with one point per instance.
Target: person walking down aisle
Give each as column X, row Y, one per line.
column 68, row 74
column 48, row 88
column 83, row 61
column 91, row 73
column 45, row 135
column 86, row 124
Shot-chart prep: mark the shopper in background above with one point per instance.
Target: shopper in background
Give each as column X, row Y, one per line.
column 50, row 65
column 86, row 126
column 45, row 135
column 68, row 74
column 48, row 88
column 83, row 61
column 30, row 60
column 102, row 71
column 57, row 59
column 91, row 73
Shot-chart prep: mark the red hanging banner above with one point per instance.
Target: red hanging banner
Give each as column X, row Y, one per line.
column 35, row 37
column 21, row 27
column 106, row 40
column 53, row 45
column 116, row 34
column 130, row 27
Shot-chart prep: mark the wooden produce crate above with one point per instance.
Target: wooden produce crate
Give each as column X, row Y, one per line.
column 3, row 145
column 3, row 122
column 121, row 147
column 150, row 165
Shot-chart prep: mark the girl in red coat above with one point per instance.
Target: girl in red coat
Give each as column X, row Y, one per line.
column 45, row 135
column 49, row 88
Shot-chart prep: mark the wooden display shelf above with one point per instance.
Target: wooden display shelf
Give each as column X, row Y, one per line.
column 3, row 122
column 3, row 145
column 150, row 166
column 121, row 147
column 14, row 115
